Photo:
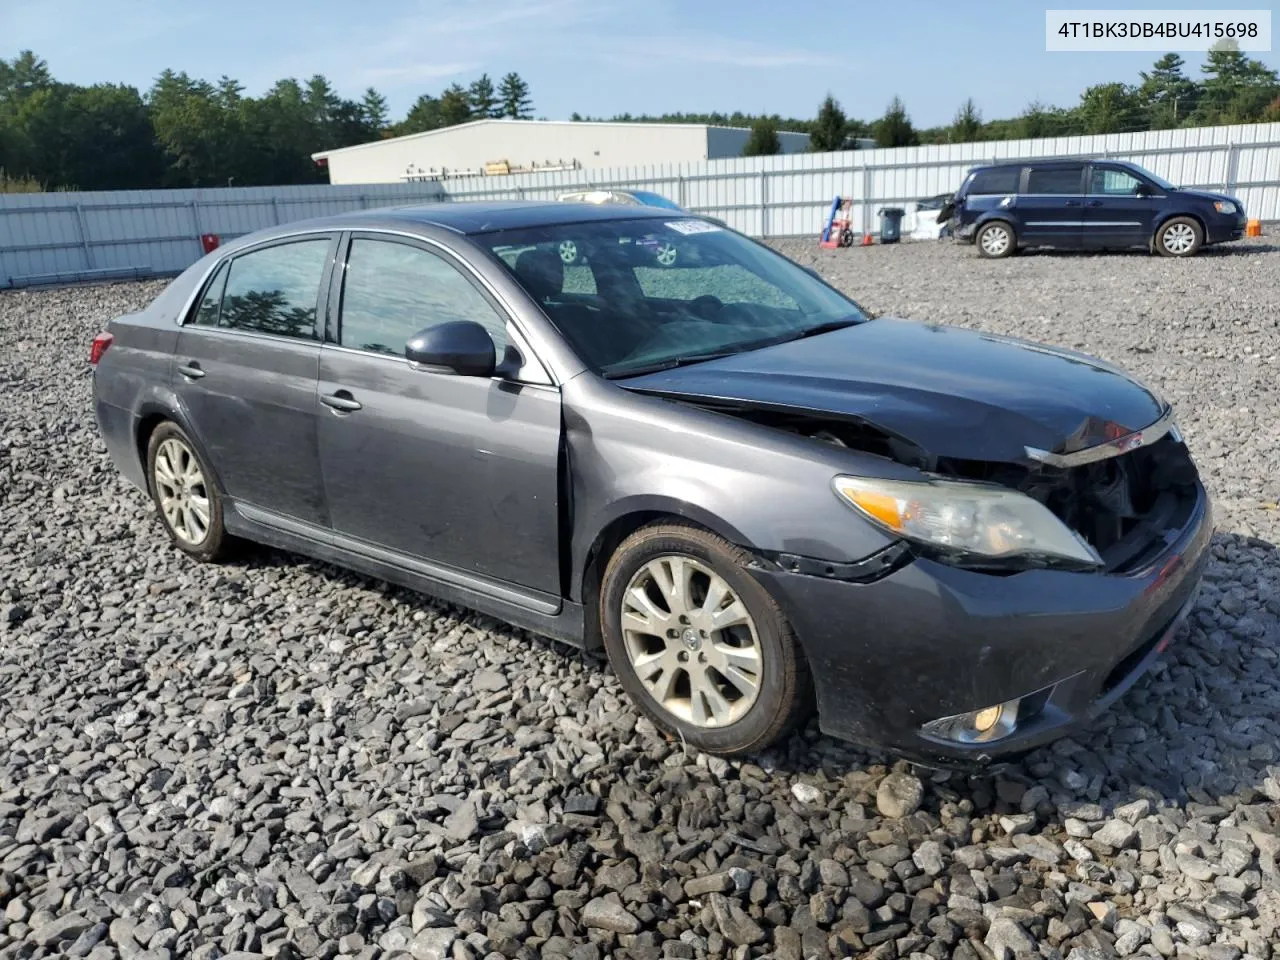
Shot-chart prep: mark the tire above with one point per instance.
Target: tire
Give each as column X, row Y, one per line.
column 568, row 250
column 1179, row 237
column 989, row 240
column 765, row 689
column 187, row 499
column 667, row 254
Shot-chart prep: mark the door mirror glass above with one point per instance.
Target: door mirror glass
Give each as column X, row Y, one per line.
column 1144, row 190
column 462, row 347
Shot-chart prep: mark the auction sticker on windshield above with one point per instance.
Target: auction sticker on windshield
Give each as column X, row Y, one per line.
column 689, row 227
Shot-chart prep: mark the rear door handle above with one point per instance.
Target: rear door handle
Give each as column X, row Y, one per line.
column 342, row 401
column 191, row 371
column 1095, row 203
column 1073, row 203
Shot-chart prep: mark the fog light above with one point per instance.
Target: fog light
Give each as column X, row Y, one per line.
column 983, row 725
column 986, row 718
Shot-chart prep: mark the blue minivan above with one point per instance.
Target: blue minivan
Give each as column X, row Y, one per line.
column 1087, row 204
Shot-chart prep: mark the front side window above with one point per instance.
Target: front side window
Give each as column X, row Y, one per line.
column 276, row 289
column 635, row 295
column 1114, row 183
column 1055, row 180
column 393, row 291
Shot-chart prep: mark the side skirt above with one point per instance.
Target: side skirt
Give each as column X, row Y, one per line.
column 553, row 617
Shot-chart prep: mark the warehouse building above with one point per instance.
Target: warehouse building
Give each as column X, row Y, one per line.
column 516, row 146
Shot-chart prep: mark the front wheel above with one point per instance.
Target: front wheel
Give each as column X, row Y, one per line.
column 1180, row 237
column 996, row 239
column 698, row 643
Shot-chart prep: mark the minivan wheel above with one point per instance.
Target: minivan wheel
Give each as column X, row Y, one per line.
column 186, row 498
column 1179, row 237
column 698, row 643
column 996, row 240
column 568, row 252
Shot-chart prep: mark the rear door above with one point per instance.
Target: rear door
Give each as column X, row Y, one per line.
column 1050, row 206
column 1114, row 214
column 458, row 472
column 245, row 372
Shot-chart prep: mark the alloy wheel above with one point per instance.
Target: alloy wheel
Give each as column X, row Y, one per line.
column 667, row 254
column 568, row 251
column 691, row 641
column 995, row 240
column 1179, row 238
column 182, row 492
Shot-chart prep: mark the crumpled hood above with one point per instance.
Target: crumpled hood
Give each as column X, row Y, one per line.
column 950, row 391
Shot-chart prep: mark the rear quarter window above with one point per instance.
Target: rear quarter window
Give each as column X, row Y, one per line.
column 1000, row 180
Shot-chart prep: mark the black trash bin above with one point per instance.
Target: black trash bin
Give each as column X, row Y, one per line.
column 891, row 224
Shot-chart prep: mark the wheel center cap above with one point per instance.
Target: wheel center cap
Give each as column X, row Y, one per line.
column 690, row 638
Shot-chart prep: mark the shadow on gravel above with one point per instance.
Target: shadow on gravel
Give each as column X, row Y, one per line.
column 1217, row 250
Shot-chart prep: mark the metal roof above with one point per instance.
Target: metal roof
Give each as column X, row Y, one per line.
column 489, row 216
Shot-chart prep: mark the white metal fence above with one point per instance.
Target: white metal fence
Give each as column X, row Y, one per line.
column 68, row 236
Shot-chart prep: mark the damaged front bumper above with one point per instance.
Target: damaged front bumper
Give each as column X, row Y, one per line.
column 928, row 641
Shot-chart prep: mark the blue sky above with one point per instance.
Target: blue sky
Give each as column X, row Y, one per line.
column 597, row 57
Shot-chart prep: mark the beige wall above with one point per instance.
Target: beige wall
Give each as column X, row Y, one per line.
column 469, row 148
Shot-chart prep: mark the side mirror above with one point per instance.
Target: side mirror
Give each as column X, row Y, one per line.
column 462, row 347
column 1144, row 190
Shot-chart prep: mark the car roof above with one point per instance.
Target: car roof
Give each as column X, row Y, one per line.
column 471, row 217
column 1051, row 162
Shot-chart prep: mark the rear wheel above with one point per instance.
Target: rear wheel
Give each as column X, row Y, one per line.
column 698, row 643
column 1179, row 237
column 185, row 495
column 996, row 239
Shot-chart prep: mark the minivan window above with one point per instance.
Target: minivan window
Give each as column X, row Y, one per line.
column 393, row 291
column 1112, row 182
column 1055, row 180
column 998, row 180
column 276, row 289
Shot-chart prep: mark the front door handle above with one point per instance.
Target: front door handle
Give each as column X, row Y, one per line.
column 1095, row 203
column 342, row 401
column 1073, row 203
column 191, row 370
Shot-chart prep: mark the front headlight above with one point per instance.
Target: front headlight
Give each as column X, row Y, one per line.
column 967, row 520
column 1224, row 206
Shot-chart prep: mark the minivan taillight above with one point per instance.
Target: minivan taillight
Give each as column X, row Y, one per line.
column 99, row 347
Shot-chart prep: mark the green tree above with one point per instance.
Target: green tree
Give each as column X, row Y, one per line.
column 1038, row 120
column 424, row 115
column 763, row 139
column 894, row 129
column 1109, row 108
column 1236, row 88
column 455, row 105
column 513, row 93
column 829, row 128
column 484, row 102
column 967, row 126
column 373, row 106
column 321, row 99
column 1166, row 96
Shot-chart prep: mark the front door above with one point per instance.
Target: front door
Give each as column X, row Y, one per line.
column 1050, row 206
column 1115, row 215
column 457, row 471
column 245, row 373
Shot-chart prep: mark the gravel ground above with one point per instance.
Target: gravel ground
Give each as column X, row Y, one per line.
column 279, row 758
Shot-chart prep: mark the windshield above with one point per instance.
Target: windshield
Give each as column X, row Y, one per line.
column 633, row 296
column 1159, row 181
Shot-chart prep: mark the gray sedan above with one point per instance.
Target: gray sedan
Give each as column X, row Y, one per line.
column 752, row 495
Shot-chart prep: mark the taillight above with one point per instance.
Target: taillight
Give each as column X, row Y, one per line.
column 99, row 347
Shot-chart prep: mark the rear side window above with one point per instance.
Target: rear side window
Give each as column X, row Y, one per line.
column 207, row 312
column 998, row 180
column 276, row 290
column 1054, row 180
column 392, row 291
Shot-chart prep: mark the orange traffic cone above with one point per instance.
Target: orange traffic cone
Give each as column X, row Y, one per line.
column 866, row 240
column 1253, row 228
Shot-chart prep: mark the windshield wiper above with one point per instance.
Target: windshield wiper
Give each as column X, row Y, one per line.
column 671, row 363
column 827, row 327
